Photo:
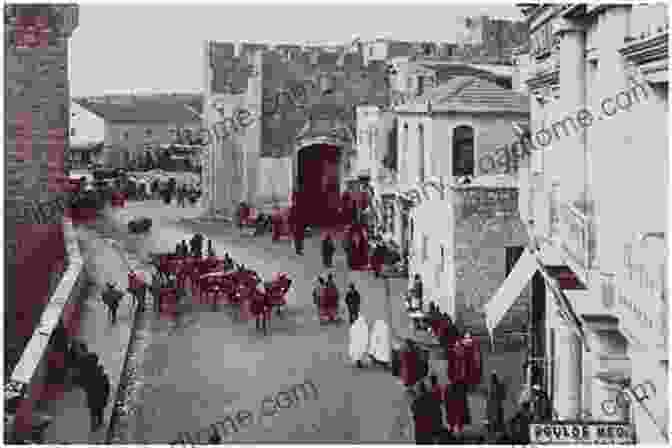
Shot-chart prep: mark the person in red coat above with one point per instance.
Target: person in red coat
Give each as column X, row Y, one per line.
column 472, row 360
column 408, row 369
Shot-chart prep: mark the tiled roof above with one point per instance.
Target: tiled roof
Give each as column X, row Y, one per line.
column 471, row 94
column 147, row 109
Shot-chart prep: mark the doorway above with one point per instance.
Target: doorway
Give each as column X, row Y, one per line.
column 318, row 185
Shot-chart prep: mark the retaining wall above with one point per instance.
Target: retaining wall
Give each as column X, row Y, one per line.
column 29, row 376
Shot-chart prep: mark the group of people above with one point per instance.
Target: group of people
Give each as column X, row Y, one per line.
column 326, row 292
column 195, row 247
column 171, row 189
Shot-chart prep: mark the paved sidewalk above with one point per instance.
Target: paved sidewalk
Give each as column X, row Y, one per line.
column 71, row 416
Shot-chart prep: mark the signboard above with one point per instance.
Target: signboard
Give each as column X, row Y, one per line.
column 568, row 432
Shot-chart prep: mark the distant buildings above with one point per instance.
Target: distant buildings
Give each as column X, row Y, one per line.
column 135, row 125
column 303, row 96
column 87, row 135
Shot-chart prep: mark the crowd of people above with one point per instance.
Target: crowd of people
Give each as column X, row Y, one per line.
column 182, row 193
column 440, row 408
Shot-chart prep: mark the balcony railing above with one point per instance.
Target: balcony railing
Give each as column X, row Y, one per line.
column 575, row 233
column 648, row 20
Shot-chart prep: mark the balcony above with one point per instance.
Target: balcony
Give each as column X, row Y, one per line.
column 573, row 231
column 646, row 47
column 545, row 73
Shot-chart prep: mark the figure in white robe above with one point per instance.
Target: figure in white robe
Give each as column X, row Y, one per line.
column 359, row 341
column 380, row 347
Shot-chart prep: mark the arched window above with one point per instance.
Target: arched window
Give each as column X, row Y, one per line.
column 463, row 151
column 421, row 151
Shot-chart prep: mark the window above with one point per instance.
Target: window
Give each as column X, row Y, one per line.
column 443, row 258
column 370, row 52
column 125, row 135
column 72, row 132
column 421, row 85
column 148, row 132
column 463, row 151
column 421, row 151
column 425, row 248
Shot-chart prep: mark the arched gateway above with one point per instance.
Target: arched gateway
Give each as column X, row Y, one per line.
column 320, row 160
column 318, row 183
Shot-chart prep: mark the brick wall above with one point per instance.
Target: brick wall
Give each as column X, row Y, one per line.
column 325, row 89
column 37, row 105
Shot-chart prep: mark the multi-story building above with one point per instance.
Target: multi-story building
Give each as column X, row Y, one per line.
column 37, row 104
column 599, row 109
column 454, row 131
column 87, row 136
column 135, row 125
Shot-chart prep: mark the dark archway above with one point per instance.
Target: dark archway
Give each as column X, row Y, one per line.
column 318, row 184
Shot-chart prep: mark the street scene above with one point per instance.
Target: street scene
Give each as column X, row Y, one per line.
column 336, row 234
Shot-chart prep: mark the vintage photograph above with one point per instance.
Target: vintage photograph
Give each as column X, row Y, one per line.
column 336, row 222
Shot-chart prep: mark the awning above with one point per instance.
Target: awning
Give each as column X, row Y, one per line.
column 521, row 274
column 563, row 304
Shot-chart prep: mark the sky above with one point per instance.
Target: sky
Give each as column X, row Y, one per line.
column 159, row 47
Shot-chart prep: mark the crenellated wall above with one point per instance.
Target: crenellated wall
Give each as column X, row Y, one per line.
column 282, row 89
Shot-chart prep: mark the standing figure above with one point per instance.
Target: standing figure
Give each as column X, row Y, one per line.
column 328, row 249
column 97, row 395
column 317, row 293
column 424, row 416
column 520, row 425
column 197, row 245
column 181, row 195
column 495, row 405
column 418, row 290
column 299, row 235
column 156, row 291
column 111, row 298
column 353, row 301
column 211, row 250
column 542, row 410
column 378, row 259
